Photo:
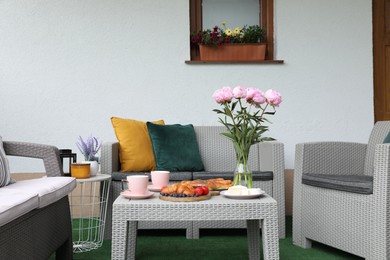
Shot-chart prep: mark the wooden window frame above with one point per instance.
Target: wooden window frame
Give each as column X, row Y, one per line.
column 266, row 21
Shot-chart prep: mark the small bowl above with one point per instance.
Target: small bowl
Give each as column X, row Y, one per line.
column 80, row 170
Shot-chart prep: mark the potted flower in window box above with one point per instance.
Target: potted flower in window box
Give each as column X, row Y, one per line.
column 226, row 44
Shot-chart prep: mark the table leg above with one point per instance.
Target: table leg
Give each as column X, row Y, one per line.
column 119, row 230
column 270, row 237
column 253, row 234
column 132, row 227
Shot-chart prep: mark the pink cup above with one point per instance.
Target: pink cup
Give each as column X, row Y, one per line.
column 138, row 184
column 160, row 178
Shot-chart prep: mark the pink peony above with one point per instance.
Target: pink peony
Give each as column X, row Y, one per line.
column 219, row 96
column 251, row 93
column 273, row 97
column 239, row 92
column 259, row 98
column 228, row 93
column 223, row 95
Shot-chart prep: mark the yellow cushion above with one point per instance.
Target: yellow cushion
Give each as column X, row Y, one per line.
column 135, row 147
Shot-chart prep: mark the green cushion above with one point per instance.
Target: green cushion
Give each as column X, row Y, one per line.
column 387, row 139
column 175, row 147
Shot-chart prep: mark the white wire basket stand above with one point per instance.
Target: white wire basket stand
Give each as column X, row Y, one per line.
column 88, row 203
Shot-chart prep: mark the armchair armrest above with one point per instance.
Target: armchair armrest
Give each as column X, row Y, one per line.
column 381, row 196
column 49, row 154
column 110, row 157
column 330, row 158
column 271, row 156
column 382, row 171
column 272, row 159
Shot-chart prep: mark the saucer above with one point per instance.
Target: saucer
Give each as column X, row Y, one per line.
column 242, row 197
column 154, row 188
column 127, row 194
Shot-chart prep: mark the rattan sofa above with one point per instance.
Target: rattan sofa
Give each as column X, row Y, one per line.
column 35, row 217
column 266, row 161
column 342, row 193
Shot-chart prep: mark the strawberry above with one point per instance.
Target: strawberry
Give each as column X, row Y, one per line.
column 199, row 191
column 205, row 190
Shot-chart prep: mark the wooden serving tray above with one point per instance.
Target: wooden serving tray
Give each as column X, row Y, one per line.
column 214, row 192
column 185, row 199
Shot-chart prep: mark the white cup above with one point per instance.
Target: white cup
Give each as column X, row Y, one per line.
column 160, row 178
column 138, row 184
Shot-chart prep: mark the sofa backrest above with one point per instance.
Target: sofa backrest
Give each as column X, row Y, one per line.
column 378, row 135
column 217, row 151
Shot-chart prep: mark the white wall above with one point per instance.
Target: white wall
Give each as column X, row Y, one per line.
column 66, row 67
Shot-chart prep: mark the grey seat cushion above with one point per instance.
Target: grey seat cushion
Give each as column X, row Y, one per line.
column 180, row 176
column 256, row 175
column 204, row 175
column 119, row 176
column 351, row 183
column 173, row 176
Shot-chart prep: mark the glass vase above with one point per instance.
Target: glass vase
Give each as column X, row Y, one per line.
column 242, row 175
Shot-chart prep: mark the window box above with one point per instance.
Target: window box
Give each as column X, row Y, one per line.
column 233, row 52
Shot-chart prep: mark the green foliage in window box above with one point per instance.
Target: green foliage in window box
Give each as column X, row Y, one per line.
column 219, row 36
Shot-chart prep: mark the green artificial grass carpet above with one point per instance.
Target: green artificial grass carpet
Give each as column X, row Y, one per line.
column 213, row 244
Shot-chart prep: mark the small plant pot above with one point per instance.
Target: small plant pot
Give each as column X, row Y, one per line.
column 80, row 170
column 94, row 167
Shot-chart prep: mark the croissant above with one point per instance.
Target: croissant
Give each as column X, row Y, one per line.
column 181, row 188
column 195, row 182
column 213, row 184
column 189, row 191
column 171, row 189
column 218, row 184
column 178, row 189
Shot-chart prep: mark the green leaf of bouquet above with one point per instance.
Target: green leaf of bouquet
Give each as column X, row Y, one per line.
column 221, row 121
column 267, row 139
column 218, row 111
column 234, row 105
column 270, row 113
column 228, row 135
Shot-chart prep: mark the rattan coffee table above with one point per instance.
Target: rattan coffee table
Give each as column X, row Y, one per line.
column 260, row 211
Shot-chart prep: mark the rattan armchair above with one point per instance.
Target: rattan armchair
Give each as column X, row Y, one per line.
column 354, row 219
column 42, row 231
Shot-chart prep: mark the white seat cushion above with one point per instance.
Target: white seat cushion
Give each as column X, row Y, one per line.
column 16, row 203
column 49, row 189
